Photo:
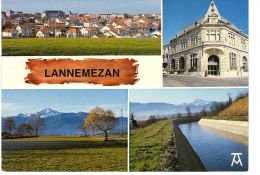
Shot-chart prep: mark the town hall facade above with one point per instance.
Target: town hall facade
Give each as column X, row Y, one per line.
column 210, row 46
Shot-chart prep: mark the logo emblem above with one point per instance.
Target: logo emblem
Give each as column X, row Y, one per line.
column 236, row 159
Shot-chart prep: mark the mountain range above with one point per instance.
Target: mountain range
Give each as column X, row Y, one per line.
column 142, row 111
column 60, row 123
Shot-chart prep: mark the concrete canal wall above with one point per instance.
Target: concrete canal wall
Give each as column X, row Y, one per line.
column 235, row 127
column 187, row 157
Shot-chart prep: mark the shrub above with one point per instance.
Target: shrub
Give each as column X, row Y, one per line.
column 180, row 71
column 172, row 71
column 193, row 69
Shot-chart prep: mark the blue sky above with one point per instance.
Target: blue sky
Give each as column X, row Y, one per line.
column 20, row 101
column 82, row 6
column 178, row 14
column 179, row 96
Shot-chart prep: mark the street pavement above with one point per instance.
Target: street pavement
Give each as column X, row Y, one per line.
column 191, row 81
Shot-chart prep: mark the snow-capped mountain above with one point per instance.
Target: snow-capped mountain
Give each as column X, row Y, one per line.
column 59, row 123
column 143, row 110
column 47, row 112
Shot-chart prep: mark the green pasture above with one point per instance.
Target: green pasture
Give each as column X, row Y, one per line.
column 80, row 46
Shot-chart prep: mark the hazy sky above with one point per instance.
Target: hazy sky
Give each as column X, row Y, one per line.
column 82, row 6
column 178, row 14
column 179, row 96
column 20, row 101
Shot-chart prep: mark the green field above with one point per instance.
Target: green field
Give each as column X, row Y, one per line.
column 148, row 146
column 80, row 46
column 89, row 154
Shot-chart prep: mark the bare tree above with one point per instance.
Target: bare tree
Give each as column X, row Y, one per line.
column 230, row 100
column 101, row 120
column 203, row 112
column 82, row 128
column 28, row 128
column 9, row 125
column 37, row 124
column 188, row 111
column 21, row 129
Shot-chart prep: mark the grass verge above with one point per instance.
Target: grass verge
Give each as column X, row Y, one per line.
column 149, row 147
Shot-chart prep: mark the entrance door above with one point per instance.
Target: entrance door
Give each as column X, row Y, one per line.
column 213, row 65
column 212, row 70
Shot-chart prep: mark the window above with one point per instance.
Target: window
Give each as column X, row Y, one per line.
column 245, row 63
column 243, row 43
column 193, row 60
column 192, row 40
column 233, row 63
column 196, row 38
column 231, row 37
column 184, row 44
column 213, row 35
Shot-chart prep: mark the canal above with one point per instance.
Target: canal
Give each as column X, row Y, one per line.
column 214, row 149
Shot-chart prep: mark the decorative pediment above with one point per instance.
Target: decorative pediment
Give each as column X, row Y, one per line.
column 212, row 12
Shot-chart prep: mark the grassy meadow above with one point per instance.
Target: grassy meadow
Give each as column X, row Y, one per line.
column 236, row 111
column 81, row 154
column 148, row 146
column 80, row 46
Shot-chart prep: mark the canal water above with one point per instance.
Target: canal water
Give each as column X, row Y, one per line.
column 215, row 149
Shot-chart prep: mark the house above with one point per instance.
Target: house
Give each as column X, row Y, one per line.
column 87, row 23
column 24, row 30
column 42, row 34
column 60, row 20
column 98, row 25
column 121, row 31
column 144, row 20
column 73, row 33
column 89, row 31
column 156, row 34
column 115, row 34
column 106, row 29
column 10, row 33
column 14, row 22
column 211, row 45
column 38, row 21
column 143, row 34
column 58, row 30
column 108, row 35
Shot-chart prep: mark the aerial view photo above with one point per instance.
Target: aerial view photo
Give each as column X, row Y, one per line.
column 189, row 129
column 64, row 130
column 81, row 27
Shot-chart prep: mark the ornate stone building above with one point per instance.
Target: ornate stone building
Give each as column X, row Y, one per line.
column 212, row 45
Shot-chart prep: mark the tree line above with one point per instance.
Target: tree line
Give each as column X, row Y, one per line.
column 31, row 128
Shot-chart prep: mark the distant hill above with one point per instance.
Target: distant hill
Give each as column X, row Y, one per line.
column 59, row 123
column 236, row 111
column 142, row 111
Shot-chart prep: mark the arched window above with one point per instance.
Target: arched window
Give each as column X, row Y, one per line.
column 173, row 64
column 245, row 65
column 182, row 63
column 233, row 61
